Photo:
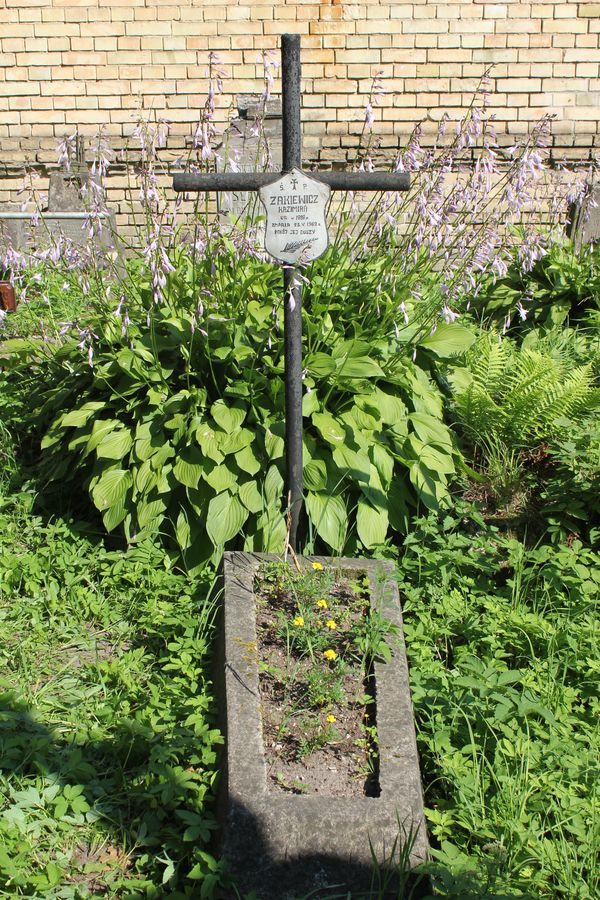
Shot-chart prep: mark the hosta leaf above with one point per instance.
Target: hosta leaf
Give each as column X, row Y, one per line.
column 250, row 496
column 431, row 430
column 448, row 340
column 143, row 431
column 162, row 455
column 79, row 417
column 248, row 461
column 384, row 463
column 356, row 462
column 115, row 445
column 81, row 438
column 329, row 517
column 147, row 512
column 424, row 396
column 391, row 408
column 438, row 461
column 363, row 420
column 189, row 468
column 273, row 486
column 274, row 443
column 198, row 554
column 371, row 523
column 237, row 388
column 233, row 443
column 330, row 430
column 368, row 403
column 208, row 440
column 320, row 364
column 110, row 488
column 52, row 437
column 114, row 515
column 199, row 499
column 101, row 428
column 144, row 478
column 229, row 418
column 358, row 367
column 310, row 403
column 177, row 423
column 397, row 508
column 353, row 360
column 143, row 449
column 272, row 529
column 220, row 477
column 374, row 491
column 315, row 475
column 147, row 444
column 226, row 516
column 165, row 481
column 182, row 531
column 179, row 402
column 428, row 485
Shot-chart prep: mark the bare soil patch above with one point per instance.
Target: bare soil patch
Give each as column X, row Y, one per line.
column 318, row 715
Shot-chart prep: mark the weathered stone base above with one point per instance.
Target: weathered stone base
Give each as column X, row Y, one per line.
column 282, row 846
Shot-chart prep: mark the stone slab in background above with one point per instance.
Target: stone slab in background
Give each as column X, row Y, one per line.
column 242, row 143
column 65, row 214
column 585, row 219
column 22, row 232
column 284, row 846
column 64, row 191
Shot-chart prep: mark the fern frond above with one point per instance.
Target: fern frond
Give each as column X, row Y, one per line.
column 488, row 360
column 517, row 395
column 566, row 399
column 479, row 415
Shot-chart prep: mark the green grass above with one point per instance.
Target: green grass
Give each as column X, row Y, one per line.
column 107, row 742
column 53, row 301
column 504, row 654
column 108, row 745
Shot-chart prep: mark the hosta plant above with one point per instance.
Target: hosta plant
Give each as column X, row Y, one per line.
column 175, row 427
column 561, row 285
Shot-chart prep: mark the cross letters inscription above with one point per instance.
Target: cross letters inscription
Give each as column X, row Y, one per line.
column 295, row 202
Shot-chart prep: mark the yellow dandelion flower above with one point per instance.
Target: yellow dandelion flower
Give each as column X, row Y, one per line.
column 331, row 624
column 322, row 604
column 317, row 566
column 298, row 621
column 330, row 655
column 331, row 719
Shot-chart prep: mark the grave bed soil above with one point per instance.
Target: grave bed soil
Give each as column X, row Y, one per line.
column 344, row 766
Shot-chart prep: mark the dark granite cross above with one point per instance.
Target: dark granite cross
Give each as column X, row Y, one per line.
column 292, row 204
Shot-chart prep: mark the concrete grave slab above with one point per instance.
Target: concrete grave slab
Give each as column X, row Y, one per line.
column 24, row 231
column 284, row 846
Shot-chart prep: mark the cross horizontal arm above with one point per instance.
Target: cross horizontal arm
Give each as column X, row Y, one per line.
column 253, row 181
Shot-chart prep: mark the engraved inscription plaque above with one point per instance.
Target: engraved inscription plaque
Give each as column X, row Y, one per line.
column 296, row 231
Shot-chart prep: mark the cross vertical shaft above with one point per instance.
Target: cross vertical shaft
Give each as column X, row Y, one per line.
column 292, row 311
column 289, row 244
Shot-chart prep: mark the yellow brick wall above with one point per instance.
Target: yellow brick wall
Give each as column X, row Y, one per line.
column 85, row 63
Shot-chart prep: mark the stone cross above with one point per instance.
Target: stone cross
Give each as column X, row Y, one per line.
column 296, row 233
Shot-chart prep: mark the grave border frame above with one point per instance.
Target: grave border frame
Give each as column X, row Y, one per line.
column 269, row 841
